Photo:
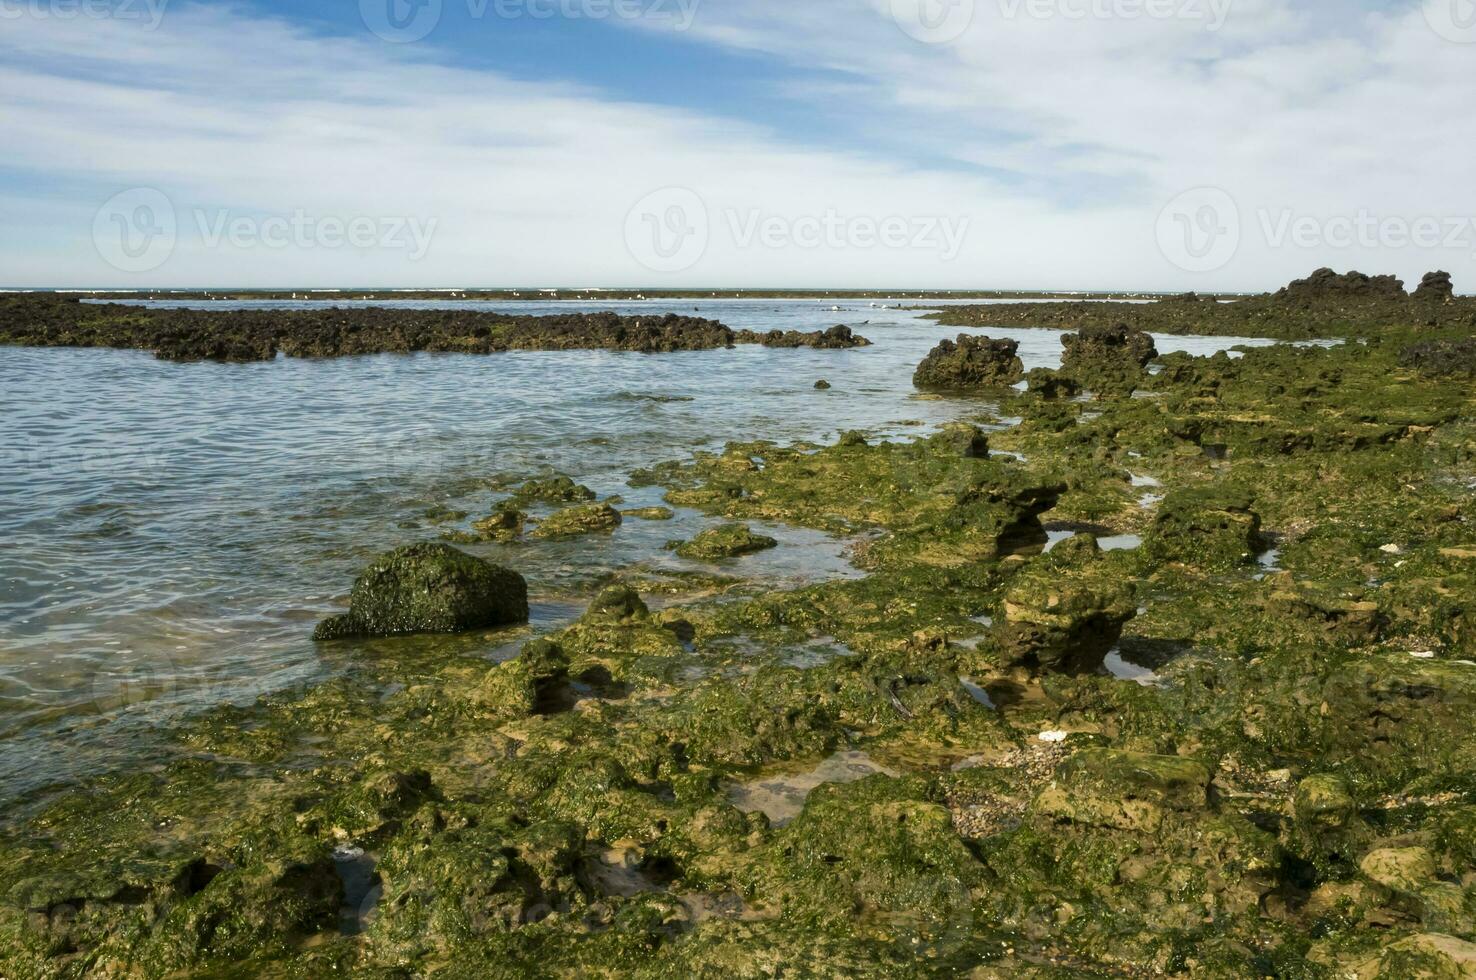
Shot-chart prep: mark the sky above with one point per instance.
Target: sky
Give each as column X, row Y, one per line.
column 923, row 144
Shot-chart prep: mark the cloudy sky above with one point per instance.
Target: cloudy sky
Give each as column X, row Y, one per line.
column 1032, row 144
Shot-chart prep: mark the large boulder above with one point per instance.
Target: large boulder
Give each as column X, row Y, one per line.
column 970, row 362
column 1437, row 286
column 1108, row 359
column 1325, row 284
column 429, row 588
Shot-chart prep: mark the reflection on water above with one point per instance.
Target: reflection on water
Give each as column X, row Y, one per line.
column 782, row 797
column 174, row 531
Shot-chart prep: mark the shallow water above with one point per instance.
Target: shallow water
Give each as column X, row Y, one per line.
column 174, row 531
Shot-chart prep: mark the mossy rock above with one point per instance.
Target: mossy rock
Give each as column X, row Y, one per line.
column 553, row 490
column 573, row 522
column 649, row 513
column 1123, row 790
column 970, row 362
column 727, row 541
column 429, row 588
column 1429, row 956
column 1065, row 612
column 1208, row 527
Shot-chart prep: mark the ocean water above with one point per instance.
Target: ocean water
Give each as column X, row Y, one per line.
column 172, row 532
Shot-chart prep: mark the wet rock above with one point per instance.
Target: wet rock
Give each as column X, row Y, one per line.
column 1347, row 622
column 1210, row 527
column 1326, row 829
column 1051, row 384
column 1066, row 612
column 727, row 541
column 970, row 362
column 1436, row 287
column 573, row 522
column 1405, row 879
column 618, row 603
column 1120, row 790
column 1109, row 360
column 505, row 524
column 1429, row 956
column 822, row 385
column 836, row 338
column 967, row 440
column 553, row 490
column 852, row 439
column 429, row 588
column 650, row 513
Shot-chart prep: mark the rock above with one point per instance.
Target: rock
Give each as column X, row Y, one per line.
column 966, row 439
column 970, row 362
column 553, row 490
column 618, row 603
column 1430, row 956
column 1326, row 829
column 1119, row 790
column 727, row 541
column 1211, row 527
column 650, row 513
column 1400, row 869
column 1051, row 384
column 836, row 338
column 1442, row 358
column 429, row 588
column 1346, row 622
column 852, row 438
column 1109, row 360
column 505, row 524
column 1065, row 613
column 575, row 521
column 1437, row 287
column 822, row 385
column 1325, row 284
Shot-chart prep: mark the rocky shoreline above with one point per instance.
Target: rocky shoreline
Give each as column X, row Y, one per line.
column 1173, row 677
column 43, row 320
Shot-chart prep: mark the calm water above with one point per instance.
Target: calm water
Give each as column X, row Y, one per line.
column 172, row 532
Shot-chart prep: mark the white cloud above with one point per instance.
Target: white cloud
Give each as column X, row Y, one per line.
column 1057, row 141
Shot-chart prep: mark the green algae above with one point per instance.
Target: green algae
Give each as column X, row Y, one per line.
column 1292, row 795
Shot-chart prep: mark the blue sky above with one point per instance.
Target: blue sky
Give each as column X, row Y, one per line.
column 1153, row 144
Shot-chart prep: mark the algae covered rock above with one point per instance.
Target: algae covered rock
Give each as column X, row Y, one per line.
column 1107, row 359
column 727, row 541
column 1050, row 384
column 572, row 522
column 553, row 490
column 505, row 524
column 429, row 588
column 967, row 439
column 1064, row 617
column 1326, row 828
column 618, row 603
column 1121, row 790
column 971, row 362
column 1428, row 956
column 1211, row 527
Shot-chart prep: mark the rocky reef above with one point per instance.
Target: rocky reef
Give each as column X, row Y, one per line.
column 970, row 362
column 1172, row 685
column 1324, row 305
column 47, row 320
